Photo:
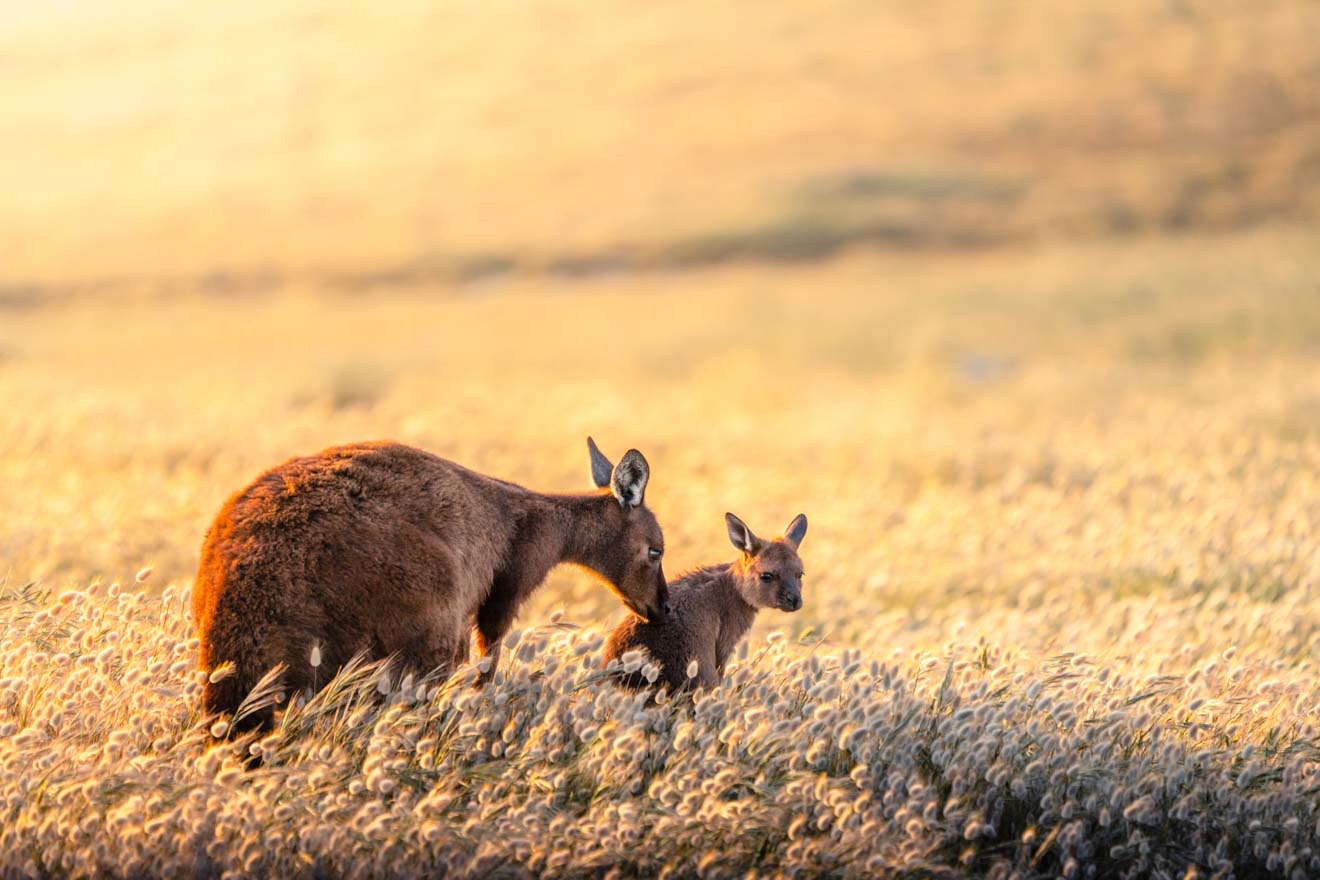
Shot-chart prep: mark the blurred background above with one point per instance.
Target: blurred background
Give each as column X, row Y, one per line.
column 1006, row 296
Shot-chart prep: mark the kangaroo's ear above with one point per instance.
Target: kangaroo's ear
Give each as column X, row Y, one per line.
column 629, row 481
column 741, row 536
column 797, row 530
column 600, row 465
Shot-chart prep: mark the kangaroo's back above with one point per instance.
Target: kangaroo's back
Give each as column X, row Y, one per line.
column 358, row 548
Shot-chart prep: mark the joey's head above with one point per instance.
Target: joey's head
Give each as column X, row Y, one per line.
column 630, row 546
column 769, row 574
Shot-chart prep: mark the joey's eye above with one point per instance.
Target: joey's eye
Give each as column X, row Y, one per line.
column 767, row 576
column 655, row 554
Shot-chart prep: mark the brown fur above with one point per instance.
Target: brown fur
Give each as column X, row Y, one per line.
column 384, row 549
column 713, row 608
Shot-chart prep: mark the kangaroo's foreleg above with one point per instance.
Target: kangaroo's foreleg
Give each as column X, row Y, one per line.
column 494, row 618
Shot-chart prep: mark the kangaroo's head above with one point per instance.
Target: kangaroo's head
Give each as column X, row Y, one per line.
column 769, row 573
column 629, row 553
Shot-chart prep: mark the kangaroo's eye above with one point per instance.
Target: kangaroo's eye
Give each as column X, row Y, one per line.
column 655, row 554
column 767, row 576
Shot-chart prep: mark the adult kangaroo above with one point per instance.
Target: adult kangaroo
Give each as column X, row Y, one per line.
column 385, row 549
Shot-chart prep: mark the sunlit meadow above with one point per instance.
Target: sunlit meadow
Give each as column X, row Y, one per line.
column 1061, row 611
column 1018, row 304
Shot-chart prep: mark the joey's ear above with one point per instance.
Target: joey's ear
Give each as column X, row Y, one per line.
column 741, row 536
column 600, row 465
column 797, row 530
column 629, row 481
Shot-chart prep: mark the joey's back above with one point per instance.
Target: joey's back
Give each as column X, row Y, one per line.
column 708, row 617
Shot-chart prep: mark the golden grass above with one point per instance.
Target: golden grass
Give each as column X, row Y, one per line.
column 962, row 759
column 1018, row 303
column 1061, row 611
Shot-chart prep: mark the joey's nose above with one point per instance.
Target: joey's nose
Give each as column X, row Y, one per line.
column 792, row 603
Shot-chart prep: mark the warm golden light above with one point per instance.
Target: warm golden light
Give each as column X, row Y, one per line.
column 1016, row 302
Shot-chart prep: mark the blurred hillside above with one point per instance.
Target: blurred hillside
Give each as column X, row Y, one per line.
column 233, row 146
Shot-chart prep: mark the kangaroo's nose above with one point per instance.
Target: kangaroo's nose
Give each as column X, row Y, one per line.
column 666, row 609
column 792, row 603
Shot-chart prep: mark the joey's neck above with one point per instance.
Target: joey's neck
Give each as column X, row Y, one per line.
column 736, row 614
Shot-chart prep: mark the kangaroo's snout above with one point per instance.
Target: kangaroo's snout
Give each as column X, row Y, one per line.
column 652, row 612
column 661, row 610
column 660, row 613
column 790, row 601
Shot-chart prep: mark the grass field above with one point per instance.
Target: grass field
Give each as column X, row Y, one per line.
column 1061, row 610
column 1019, row 305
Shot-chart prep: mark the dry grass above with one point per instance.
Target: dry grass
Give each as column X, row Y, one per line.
column 1176, row 756
column 1061, row 608
column 1018, row 303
